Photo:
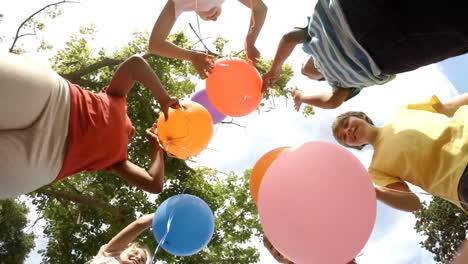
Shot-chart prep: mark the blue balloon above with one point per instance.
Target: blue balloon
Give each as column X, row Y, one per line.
column 191, row 224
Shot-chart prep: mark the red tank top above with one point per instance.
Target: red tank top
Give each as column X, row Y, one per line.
column 98, row 131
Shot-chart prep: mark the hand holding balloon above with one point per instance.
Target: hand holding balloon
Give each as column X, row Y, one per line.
column 252, row 53
column 270, row 78
column 152, row 138
column 170, row 102
column 202, row 63
column 187, row 132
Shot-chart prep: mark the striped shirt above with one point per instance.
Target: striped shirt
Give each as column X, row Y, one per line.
column 336, row 53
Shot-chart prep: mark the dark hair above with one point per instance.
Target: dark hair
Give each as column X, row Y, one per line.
column 344, row 116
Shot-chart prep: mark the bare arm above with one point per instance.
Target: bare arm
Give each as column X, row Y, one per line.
column 126, row 236
column 151, row 180
column 287, row 44
column 401, row 198
column 159, row 45
column 136, row 69
column 259, row 12
column 462, row 257
column 329, row 100
column 449, row 108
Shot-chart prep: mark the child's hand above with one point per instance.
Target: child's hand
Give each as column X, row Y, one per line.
column 146, row 220
column 203, row 63
column 152, row 138
column 170, row 102
column 269, row 79
column 252, row 53
column 297, row 96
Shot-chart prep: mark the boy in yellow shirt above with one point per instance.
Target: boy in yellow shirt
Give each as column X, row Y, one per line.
column 424, row 144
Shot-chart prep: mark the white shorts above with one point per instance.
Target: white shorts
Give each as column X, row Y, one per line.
column 34, row 117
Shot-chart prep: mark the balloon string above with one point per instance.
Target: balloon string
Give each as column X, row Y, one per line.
column 201, row 37
column 168, row 227
column 425, row 193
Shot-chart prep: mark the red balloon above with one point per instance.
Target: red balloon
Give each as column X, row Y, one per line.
column 234, row 87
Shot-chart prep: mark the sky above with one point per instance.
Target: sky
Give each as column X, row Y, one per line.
column 238, row 148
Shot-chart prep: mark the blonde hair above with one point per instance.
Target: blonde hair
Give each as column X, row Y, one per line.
column 342, row 117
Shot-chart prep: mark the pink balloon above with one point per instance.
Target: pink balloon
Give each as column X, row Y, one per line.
column 317, row 204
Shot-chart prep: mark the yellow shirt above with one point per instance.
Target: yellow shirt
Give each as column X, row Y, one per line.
column 424, row 148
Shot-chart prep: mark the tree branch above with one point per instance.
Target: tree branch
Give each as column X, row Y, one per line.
column 34, row 224
column 27, row 34
column 76, row 75
column 87, row 201
column 106, row 62
column 31, row 16
column 201, row 41
column 233, row 123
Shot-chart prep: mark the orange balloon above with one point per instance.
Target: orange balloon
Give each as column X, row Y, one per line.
column 187, row 131
column 234, row 87
column 261, row 167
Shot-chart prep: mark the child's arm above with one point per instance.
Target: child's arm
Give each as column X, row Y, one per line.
column 159, row 45
column 449, row 108
column 120, row 241
column 328, row 100
column 151, row 180
column 285, row 48
column 259, row 12
column 402, row 198
column 462, row 257
column 136, row 69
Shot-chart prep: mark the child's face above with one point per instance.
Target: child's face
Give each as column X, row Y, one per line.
column 353, row 131
column 211, row 14
column 133, row 255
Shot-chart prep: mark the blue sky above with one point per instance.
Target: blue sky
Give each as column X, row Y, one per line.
column 393, row 241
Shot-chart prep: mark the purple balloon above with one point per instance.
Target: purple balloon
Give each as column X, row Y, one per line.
column 202, row 98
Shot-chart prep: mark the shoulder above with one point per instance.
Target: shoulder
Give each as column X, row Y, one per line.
column 103, row 252
column 104, row 257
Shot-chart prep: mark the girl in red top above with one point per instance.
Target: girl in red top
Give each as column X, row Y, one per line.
column 50, row 128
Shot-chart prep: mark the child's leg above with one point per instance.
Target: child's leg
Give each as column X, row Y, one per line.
column 25, row 88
